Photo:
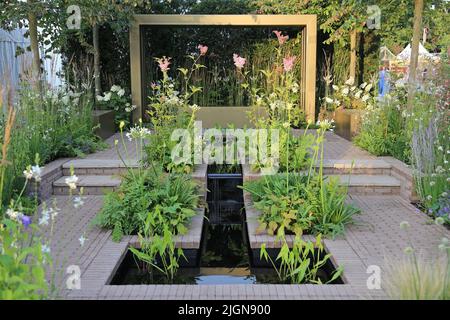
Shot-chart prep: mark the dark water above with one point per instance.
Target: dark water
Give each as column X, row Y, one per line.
column 225, row 256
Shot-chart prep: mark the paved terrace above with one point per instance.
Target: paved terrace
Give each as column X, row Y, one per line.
column 375, row 235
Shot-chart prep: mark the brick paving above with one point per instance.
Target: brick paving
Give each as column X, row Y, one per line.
column 375, row 235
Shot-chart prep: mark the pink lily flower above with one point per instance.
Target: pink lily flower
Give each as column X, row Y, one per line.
column 164, row 63
column 281, row 39
column 239, row 62
column 288, row 63
column 203, row 49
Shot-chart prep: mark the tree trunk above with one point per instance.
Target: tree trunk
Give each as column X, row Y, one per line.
column 34, row 44
column 96, row 45
column 414, row 59
column 353, row 36
column 361, row 54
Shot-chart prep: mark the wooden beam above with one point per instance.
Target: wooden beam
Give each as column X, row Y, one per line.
column 308, row 22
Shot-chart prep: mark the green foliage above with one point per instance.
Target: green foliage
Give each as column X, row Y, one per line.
column 302, row 202
column 169, row 110
column 170, row 199
column 384, row 130
column 301, row 263
column 299, row 208
column 157, row 249
column 22, row 263
column 116, row 99
column 52, row 124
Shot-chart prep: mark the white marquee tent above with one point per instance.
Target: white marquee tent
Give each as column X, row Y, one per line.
column 423, row 53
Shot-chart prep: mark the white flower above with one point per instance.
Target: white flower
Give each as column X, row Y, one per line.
column 28, row 174
column 329, row 100
column 54, row 212
column 365, row 98
column 440, row 148
column 352, row 88
column 72, row 182
column 37, row 171
column 358, row 94
column 369, row 86
column 335, row 87
column 99, row 98
column 82, row 240
column 345, row 91
column 350, row 81
column 45, row 248
column 138, row 133
column 444, row 194
column 121, row 92
column 194, row 107
column 65, row 99
column 432, row 183
column 43, row 221
column 107, row 96
column 363, row 85
column 116, row 88
column 325, row 124
column 429, row 197
column 12, row 214
column 78, row 202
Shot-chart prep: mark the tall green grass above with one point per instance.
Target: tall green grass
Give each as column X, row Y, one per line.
column 51, row 123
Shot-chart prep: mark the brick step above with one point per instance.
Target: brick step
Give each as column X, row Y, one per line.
column 92, row 167
column 92, row 185
column 357, row 167
column 370, row 184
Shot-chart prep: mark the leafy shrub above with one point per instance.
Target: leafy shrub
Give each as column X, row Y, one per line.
column 302, row 202
column 116, row 99
column 22, row 263
column 302, row 262
column 52, row 124
column 170, row 199
column 384, row 130
column 294, row 205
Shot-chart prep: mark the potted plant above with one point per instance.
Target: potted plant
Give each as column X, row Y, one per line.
column 112, row 107
column 349, row 101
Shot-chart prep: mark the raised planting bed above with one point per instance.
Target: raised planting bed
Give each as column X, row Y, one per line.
column 225, row 255
column 223, row 116
column 104, row 118
column 348, row 123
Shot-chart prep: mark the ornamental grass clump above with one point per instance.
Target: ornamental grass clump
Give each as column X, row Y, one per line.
column 417, row 276
column 430, row 161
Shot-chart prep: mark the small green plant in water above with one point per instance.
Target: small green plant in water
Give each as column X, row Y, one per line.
column 301, row 263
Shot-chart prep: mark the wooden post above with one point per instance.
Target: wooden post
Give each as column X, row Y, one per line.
column 414, row 59
column 96, row 46
column 353, row 36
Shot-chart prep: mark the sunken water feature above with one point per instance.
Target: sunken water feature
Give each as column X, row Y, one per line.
column 225, row 256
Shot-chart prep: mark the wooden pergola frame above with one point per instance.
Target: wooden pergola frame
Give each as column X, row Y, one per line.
column 308, row 23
